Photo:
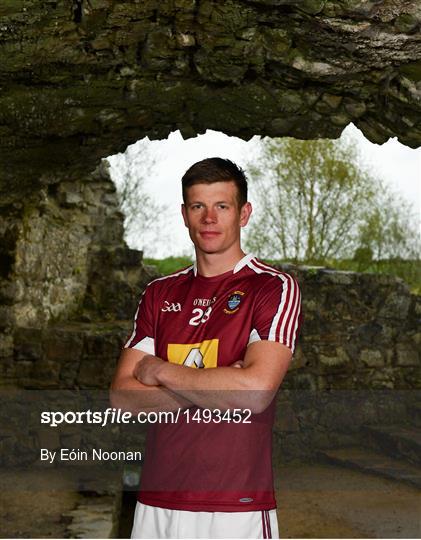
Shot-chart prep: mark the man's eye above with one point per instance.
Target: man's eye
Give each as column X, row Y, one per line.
column 196, row 206
column 223, row 206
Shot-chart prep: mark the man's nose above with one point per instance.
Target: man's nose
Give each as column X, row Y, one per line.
column 209, row 215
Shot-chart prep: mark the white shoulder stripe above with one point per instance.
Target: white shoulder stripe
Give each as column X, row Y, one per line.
column 290, row 311
column 134, row 324
column 288, row 306
column 266, row 270
column 295, row 318
column 275, row 320
column 261, row 268
column 285, row 306
column 181, row 272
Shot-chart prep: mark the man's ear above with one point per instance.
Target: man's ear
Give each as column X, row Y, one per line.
column 184, row 214
column 245, row 213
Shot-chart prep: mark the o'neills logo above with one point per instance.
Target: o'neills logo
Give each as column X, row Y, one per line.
column 205, row 302
column 234, row 301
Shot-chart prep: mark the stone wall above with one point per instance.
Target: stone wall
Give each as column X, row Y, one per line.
column 63, row 258
column 357, row 363
column 308, row 421
column 360, row 331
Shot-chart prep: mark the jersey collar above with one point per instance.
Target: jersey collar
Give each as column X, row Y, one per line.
column 241, row 263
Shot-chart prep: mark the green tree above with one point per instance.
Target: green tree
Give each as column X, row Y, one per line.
column 142, row 214
column 317, row 201
column 390, row 230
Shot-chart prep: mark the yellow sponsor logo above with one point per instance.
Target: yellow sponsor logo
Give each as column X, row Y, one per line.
column 195, row 355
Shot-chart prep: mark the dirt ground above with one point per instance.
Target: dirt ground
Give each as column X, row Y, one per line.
column 315, row 501
column 324, row 501
column 32, row 504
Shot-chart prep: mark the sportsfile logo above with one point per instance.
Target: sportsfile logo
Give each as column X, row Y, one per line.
column 173, row 306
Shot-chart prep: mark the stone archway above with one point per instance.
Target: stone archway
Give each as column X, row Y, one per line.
column 81, row 79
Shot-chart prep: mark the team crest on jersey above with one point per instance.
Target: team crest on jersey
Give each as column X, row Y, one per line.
column 234, row 302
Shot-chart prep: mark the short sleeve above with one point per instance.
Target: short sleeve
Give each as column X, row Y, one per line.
column 142, row 336
column 277, row 311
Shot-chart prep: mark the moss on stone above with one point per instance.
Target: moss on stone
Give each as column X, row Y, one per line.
column 406, row 22
column 412, row 71
column 312, row 6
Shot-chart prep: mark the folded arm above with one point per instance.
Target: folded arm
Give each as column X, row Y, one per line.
column 252, row 387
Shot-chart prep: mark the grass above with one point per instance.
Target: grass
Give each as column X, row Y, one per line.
column 409, row 271
column 170, row 264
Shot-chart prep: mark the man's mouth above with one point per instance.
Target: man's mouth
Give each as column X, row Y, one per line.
column 209, row 234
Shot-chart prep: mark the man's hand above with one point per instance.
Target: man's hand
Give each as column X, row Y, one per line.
column 129, row 394
column 146, row 370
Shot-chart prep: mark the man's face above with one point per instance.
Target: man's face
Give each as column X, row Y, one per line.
column 213, row 216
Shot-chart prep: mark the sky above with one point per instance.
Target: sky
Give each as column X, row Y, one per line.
column 397, row 164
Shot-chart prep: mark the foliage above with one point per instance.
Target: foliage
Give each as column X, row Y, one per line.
column 170, row 264
column 408, row 270
column 143, row 216
column 390, row 229
column 317, row 201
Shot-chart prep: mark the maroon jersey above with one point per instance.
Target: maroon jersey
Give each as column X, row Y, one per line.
column 207, row 322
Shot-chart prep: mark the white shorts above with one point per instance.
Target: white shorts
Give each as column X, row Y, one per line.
column 155, row 522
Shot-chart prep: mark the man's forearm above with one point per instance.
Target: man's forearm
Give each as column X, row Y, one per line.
column 219, row 388
column 131, row 395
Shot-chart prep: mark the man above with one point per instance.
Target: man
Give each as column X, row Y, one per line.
column 209, row 474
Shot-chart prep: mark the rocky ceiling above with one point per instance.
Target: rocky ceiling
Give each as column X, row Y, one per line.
column 82, row 79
